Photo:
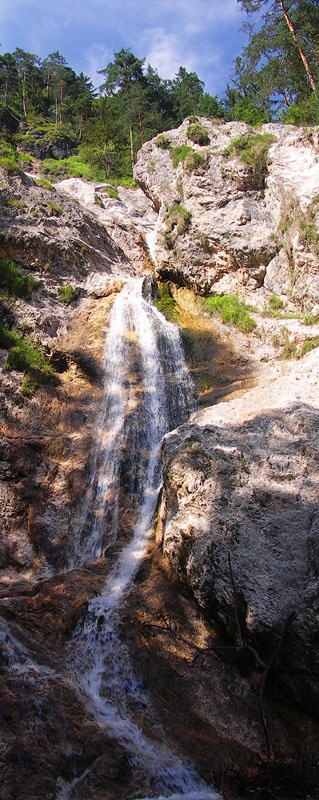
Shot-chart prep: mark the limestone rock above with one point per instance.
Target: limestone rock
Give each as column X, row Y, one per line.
column 237, row 234
column 240, row 497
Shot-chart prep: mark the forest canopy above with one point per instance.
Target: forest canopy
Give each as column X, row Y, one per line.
column 51, row 113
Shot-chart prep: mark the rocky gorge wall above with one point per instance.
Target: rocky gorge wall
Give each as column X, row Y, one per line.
column 223, row 616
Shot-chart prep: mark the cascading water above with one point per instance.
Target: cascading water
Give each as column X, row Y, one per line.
column 147, row 393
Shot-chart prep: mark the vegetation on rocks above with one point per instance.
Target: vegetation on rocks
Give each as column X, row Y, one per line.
column 68, row 294
column 177, row 221
column 25, row 356
column 232, row 311
column 198, row 133
column 253, row 151
column 15, row 281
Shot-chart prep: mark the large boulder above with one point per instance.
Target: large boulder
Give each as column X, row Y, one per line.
column 239, row 521
column 240, row 211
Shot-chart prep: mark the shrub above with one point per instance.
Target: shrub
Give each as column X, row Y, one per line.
column 15, row 281
column 232, row 311
column 177, row 221
column 311, row 319
column 180, row 153
column 197, row 133
column 253, row 151
column 163, row 142
column 68, row 294
column 196, row 161
column 25, row 356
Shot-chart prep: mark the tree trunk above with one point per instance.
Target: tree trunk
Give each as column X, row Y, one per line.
column 300, row 50
column 132, row 146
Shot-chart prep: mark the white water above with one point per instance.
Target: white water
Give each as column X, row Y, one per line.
column 147, row 393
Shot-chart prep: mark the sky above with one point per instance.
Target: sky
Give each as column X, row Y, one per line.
column 203, row 36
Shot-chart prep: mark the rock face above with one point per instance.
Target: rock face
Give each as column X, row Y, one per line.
column 222, row 620
column 229, row 220
column 239, row 520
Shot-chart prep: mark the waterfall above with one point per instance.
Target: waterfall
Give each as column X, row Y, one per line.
column 147, row 392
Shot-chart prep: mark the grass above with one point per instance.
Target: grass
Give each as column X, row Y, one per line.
column 15, row 281
column 197, row 133
column 253, row 151
column 111, row 191
column 54, row 209
column 232, row 311
column 68, row 294
column 180, row 153
column 45, row 184
column 196, row 161
column 308, row 345
column 24, row 356
column 177, row 221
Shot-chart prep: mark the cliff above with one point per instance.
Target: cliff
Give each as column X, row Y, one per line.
column 221, row 622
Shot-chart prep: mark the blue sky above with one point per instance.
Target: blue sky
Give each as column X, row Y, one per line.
column 202, row 35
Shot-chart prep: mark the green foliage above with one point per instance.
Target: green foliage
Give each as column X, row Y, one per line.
column 110, row 191
column 177, row 222
column 180, row 153
column 232, row 311
column 166, row 303
column 275, row 303
column 253, row 151
column 54, row 209
column 15, row 281
column 197, row 133
column 24, row 356
column 163, row 142
column 99, row 202
column 308, row 345
column 311, row 319
column 196, row 161
column 68, row 294
column 15, row 203
column 43, row 183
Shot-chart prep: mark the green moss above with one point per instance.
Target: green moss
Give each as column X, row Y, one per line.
column 232, row 311
column 197, row 133
column 68, row 294
column 275, row 302
column 166, row 303
column 180, row 153
column 15, row 281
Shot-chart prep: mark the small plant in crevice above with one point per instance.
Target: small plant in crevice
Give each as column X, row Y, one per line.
column 165, row 302
column 198, row 133
column 68, row 294
column 180, row 153
column 177, row 221
column 307, row 346
column 253, row 152
column 25, row 356
column 15, row 281
column 232, row 311
column 163, row 142
column 196, row 161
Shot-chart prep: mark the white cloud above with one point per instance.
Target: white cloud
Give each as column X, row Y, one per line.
column 96, row 57
column 165, row 52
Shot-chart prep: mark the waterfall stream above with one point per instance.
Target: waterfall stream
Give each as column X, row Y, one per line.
column 148, row 392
